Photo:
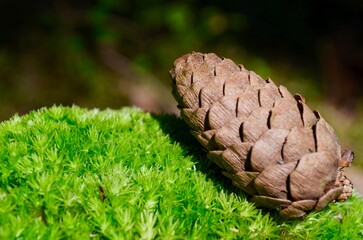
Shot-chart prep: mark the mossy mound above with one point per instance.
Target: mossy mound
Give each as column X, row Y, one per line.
column 126, row 174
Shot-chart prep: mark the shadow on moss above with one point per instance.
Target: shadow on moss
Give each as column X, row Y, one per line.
column 179, row 133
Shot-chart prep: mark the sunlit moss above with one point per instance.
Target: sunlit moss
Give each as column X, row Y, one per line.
column 125, row 174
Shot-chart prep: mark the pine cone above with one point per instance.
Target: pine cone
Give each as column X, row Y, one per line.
column 267, row 141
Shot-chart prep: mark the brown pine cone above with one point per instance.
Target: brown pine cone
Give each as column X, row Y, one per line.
column 267, row 141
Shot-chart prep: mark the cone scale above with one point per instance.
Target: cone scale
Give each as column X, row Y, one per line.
column 268, row 142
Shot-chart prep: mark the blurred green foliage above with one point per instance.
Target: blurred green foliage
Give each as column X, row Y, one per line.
column 108, row 53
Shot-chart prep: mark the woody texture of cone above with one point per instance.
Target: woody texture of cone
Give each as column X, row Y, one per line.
column 267, row 141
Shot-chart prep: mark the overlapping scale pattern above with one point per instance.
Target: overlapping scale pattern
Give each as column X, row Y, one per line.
column 267, row 141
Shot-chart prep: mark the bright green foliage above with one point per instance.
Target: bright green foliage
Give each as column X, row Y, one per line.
column 81, row 174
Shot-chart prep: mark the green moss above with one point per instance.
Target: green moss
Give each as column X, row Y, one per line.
column 80, row 174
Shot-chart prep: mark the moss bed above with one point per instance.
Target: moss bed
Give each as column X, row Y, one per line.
column 126, row 174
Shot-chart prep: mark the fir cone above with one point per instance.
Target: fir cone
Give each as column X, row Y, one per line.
column 267, row 141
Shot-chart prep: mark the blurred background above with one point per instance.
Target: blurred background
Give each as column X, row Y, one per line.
column 109, row 53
